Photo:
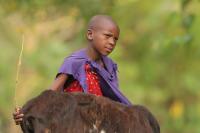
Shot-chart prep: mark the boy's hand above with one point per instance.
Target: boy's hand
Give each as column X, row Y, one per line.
column 18, row 116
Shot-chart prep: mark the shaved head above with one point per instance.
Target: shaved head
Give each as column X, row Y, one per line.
column 102, row 35
column 98, row 21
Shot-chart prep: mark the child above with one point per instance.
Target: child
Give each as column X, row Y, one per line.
column 90, row 70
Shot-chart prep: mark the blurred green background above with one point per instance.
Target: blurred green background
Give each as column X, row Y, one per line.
column 158, row 53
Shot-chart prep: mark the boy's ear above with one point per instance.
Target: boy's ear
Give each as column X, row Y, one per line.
column 89, row 34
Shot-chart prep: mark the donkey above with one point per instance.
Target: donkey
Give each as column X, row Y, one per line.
column 59, row 112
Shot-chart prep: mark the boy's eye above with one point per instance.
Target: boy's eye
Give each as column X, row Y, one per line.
column 110, row 35
column 107, row 35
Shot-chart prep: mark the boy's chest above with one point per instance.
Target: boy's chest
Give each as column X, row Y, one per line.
column 101, row 64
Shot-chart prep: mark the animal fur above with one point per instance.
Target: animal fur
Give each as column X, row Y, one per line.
column 58, row 112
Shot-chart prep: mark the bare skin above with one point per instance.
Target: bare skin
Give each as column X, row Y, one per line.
column 102, row 35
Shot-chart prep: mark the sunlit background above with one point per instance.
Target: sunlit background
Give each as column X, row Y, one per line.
column 158, row 53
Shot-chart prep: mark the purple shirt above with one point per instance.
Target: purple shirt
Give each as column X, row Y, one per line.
column 74, row 65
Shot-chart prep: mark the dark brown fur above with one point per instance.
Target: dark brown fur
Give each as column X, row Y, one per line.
column 56, row 112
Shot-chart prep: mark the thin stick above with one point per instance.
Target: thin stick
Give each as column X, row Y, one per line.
column 18, row 70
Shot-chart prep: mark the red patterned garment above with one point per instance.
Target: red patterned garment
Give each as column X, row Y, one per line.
column 92, row 82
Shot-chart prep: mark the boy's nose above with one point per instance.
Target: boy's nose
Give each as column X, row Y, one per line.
column 112, row 41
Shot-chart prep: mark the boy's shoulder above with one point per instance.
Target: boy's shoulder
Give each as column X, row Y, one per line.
column 73, row 62
column 110, row 64
column 80, row 57
column 76, row 56
column 81, row 54
column 108, row 60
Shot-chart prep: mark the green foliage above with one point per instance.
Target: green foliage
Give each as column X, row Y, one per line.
column 157, row 53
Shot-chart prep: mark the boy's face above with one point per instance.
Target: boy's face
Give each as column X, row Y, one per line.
column 104, row 37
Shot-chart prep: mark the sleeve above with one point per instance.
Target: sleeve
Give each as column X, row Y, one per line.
column 66, row 67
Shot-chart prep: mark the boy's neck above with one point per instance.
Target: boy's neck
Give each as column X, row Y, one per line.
column 93, row 54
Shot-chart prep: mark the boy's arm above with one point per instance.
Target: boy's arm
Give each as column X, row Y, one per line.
column 56, row 86
column 59, row 82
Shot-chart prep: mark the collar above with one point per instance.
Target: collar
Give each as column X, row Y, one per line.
column 107, row 62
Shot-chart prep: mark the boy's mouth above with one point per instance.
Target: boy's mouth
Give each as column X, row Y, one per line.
column 109, row 49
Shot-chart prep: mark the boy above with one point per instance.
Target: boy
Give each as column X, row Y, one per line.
column 90, row 70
